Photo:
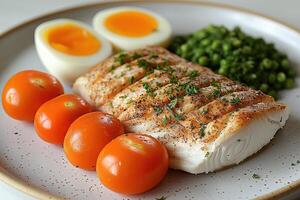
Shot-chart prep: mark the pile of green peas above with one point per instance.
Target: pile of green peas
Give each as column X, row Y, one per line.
column 240, row 57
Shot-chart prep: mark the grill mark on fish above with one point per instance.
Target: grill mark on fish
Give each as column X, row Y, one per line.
column 195, row 124
column 165, row 94
column 208, row 109
column 218, row 108
column 115, row 81
column 155, row 81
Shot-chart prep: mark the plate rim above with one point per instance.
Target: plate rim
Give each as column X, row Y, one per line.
column 14, row 182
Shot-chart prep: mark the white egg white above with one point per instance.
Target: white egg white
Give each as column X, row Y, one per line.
column 160, row 37
column 64, row 66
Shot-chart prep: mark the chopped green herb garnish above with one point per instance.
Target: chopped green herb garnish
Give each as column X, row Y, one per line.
column 147, row 88
column 165, row 120
column 173, row 103
column 136, row 56
column 121, row 58
column 294, row 164
column 235, row 101
column 158, row 84
column 122, row 74
column 143, row 64
column 193, row 127
column 256, row 176
column 111, row 104
column 207, row 154
column 216, row 93
column 112, row 68
column 193, row 74
column 179, row 117
column 157, row 110
column 170, row 107
column 225, row 100
column 131, row 79
column 202, row 130
column 173, row 79
column 129, row 101
column 215, row 84
column 203, row 112
column 191, row 89
column 147, row 66
column 123, row 97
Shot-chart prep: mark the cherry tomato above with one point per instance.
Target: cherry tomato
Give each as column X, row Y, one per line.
column 26, row 91
column 132, row 163
column 54, row 117
column 87, row 136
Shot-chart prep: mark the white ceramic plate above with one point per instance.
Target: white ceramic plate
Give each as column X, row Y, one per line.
column 42, row 170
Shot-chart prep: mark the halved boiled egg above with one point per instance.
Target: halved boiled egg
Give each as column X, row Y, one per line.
column 131, row 28
column 68, row 48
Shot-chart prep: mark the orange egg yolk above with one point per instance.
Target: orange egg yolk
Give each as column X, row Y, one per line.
column 131, row 23
column 73, row 40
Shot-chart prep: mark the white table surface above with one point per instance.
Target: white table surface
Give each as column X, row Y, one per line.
column 13, row 12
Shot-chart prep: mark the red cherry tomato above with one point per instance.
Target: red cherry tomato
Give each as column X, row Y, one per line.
column 26, row 91
column 132, row 163
column 87, row 136
column 54, row 117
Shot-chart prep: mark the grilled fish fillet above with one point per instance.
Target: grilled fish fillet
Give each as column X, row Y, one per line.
column 206, row 120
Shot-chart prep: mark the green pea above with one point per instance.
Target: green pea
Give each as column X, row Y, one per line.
column 237, row 52
column 212, row 29
column 191, row 42
column 209, row 50
column 223, row 30
column 184, row 48
column 285, row 63
column 249, row 64
column 223, row 70
column 281, row 77
column 236, row 42
column 264, row 87
column 289, row 83
column 272, row 78
column 239, row 56
column 224, row 63
column 226, row 47
column 203, row 60
column 205, row 42
column 266, row 63
column 186, row 55
column 216, row 59
column 197, row 54
column 216, row 44
column 247, row 50
column 275, row 65
column 253, row 76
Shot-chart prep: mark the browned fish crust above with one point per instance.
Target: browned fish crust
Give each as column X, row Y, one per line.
column 154, row 91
